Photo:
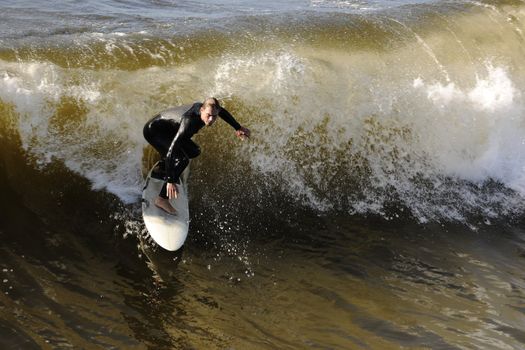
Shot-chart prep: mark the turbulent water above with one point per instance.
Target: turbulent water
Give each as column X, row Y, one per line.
column 379, row 203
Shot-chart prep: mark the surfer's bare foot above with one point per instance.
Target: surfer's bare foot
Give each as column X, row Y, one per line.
column 165, row 205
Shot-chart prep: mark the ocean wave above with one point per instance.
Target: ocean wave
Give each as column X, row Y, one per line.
column 415, row 115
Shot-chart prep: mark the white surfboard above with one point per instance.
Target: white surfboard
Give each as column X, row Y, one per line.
column 168, row 231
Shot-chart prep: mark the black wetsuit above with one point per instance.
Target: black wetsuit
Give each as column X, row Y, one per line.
column 170, row 132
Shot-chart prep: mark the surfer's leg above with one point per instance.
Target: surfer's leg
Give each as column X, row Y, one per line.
column 187, row 151
column 162, row 201
column 191, row 149
column 181, row 162
column 164, row 204
column 164, row 191
column 159, row 134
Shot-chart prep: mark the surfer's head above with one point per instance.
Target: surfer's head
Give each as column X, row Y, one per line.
column 210, row 110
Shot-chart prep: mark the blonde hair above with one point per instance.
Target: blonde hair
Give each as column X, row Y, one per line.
column 211, row 102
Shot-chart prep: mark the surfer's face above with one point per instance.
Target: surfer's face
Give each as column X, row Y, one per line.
column 209, row 115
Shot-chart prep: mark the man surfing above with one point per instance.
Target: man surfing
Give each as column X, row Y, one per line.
column 170, row 133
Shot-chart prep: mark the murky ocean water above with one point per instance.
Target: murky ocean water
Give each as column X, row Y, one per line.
column 378, row 205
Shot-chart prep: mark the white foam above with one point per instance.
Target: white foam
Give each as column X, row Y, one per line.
column 105, row 146
column 480, row 127
column 420, row 138
column 269, row 72
column 29, row 87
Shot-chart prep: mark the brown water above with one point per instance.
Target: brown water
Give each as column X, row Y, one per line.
column 327, row 282
column 71, row 281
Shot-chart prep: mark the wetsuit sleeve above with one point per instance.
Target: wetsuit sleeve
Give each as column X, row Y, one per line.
column 228, row 118
column 183, row 132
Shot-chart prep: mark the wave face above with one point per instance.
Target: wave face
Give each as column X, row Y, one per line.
column 416, row 111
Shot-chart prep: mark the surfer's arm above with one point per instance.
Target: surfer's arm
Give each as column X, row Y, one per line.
column 240, row 131
column 228, row 118
column 184, row 131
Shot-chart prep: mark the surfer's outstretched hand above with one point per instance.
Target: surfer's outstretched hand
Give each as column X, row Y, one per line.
column 242, row 133
column 172, row 190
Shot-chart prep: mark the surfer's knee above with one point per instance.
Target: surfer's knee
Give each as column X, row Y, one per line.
column 194, row 152
column 190, row 149
column 181, row 163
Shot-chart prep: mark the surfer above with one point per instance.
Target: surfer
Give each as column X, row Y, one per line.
column 170, row 132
